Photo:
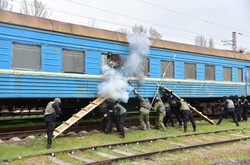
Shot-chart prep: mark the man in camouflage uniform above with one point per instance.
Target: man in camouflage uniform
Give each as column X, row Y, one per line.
column 120, row 113
column 229, row 109
column 245, row 108
column 160, row 109
column 187, row 114
column 145, row 107
column 52, row 109
column 237, row 102
column 175, row 108
column 106, row 110
column 166, row 101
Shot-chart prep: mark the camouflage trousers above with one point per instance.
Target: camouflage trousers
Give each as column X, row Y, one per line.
column 144, row 119
column 159, row 121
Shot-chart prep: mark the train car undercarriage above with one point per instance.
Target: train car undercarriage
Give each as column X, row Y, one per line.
column 15, row 107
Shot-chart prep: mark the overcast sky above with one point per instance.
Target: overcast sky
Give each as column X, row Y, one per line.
column 177, row 20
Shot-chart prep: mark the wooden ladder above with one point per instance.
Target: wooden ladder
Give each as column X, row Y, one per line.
column 84, row 111
column 192, row 108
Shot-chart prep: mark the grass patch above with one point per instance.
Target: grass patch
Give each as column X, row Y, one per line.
column 38, row 145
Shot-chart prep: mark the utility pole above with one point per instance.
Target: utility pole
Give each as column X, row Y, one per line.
column 232, row 42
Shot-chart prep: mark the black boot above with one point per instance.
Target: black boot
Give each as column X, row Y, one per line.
column 122, row 136
column 49, row 145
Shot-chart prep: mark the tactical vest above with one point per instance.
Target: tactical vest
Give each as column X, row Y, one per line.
column 173, row 103
column 166, row 95
column 146, row 104
column 122, row 109
column 166, row 104
column 246, row 103
column 161, row 107
column 49, row 109
column 184, row 106
column 230, row 104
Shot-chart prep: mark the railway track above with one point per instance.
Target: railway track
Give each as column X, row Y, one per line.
column 132, row 151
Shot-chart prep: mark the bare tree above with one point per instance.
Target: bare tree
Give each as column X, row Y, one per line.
column 139, row 28
column 123, row 30
column 35, row 8
column 4, row 5
column 154, row 34
column 92, row 22
column 200, row 41
column 211, row 43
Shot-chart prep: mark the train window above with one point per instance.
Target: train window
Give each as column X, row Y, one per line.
column 26, row 56
column 190, row 71
column 227, row 74
column 209, row 72
column 240, row 75
column 248, row 76
column 73, row 61
column 145, row 64
column 169, row 66
column 112, row 60
column 104, row 59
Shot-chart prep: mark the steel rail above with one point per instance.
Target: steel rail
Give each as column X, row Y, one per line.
column 178, row 149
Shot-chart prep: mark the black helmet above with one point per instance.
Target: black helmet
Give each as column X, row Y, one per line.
column 231, row 97
column 243, row 97
column 236, row 97
column 166, row 95
column 224, row 98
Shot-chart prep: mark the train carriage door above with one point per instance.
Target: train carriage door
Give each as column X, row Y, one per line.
column 248, row 81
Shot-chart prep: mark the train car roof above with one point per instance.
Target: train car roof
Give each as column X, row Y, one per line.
column 80, row 30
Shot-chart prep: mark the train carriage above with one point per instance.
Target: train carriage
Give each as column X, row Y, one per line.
column 41, row 59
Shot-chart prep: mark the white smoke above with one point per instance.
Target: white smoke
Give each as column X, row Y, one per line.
column 116, row 85
column 139, row 47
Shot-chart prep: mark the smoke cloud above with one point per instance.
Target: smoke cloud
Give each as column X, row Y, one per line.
column 139, row 47
column 116, row 85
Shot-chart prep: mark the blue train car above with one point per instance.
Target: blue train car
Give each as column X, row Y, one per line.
column 41, row 59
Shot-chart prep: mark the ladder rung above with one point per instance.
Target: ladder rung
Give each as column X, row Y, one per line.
column 84, row 109
column 57, row 131
column 93, row 103
column 76, row 116
column 66, row 123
